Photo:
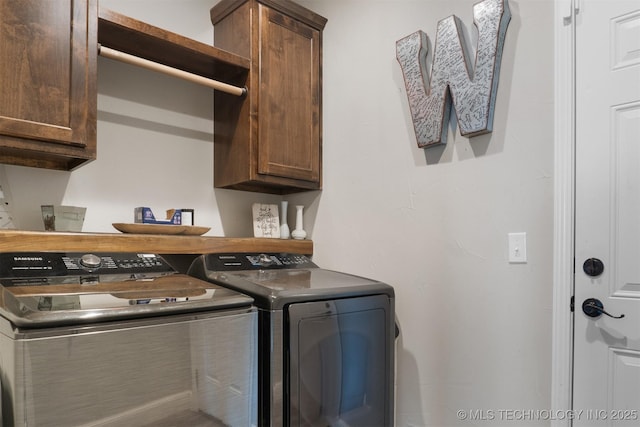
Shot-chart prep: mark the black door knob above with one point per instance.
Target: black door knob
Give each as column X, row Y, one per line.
column 593, row 307
column 593, row 267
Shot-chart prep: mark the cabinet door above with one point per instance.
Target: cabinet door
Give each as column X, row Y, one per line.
column 47, row 79
column 289, row 98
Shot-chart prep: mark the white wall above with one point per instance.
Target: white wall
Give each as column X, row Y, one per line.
column 475, row 330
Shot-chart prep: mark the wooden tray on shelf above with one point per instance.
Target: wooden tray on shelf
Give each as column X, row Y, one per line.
column 182, row 230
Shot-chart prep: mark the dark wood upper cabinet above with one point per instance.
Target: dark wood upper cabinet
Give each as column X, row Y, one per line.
column 269, row 140
column 272, row 141
column 48, row 74
column 48, row 53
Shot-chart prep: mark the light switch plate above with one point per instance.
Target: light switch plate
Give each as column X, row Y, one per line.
column 517, row 248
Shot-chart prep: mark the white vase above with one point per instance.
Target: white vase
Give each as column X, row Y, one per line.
column 299, row 232
column 284, row 227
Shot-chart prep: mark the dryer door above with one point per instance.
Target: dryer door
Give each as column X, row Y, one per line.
column 341, row 362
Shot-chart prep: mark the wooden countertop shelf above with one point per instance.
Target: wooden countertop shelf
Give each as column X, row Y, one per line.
column 40, row 241
column 155, row 44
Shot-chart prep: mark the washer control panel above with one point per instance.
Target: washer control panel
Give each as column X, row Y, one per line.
column 115, row 262
column 62, row 264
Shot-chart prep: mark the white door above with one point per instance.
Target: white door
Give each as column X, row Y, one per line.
column 606, row 349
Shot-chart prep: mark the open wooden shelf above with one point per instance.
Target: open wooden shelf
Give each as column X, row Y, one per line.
column 155, row 44
column 40, row 241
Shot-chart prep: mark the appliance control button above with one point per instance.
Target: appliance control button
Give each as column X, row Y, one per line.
column 90, row 261
column 265, row 260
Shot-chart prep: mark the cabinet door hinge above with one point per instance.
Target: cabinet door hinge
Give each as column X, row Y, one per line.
column 573, row 303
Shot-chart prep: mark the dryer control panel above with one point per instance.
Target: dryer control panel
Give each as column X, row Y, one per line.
column 257, row 261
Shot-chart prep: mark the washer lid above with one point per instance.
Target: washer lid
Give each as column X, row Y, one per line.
column 49, row 304
column 47, row 289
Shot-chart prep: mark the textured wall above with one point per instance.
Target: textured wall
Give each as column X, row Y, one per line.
column 476, row 330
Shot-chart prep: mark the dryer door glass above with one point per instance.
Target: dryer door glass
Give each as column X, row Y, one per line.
column 340, row 362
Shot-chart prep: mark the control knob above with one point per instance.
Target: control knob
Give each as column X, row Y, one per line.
column 90, row 261
column 265, row 260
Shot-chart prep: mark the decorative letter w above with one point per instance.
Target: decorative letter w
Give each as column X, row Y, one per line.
column 473, row 91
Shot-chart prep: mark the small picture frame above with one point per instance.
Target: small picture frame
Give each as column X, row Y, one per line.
column 266, row 222
column 187, row 217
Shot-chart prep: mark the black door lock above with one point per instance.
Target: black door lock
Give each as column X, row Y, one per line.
column 593, row 267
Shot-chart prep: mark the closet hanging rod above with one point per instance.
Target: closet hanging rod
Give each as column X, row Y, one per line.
column 150, row 65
